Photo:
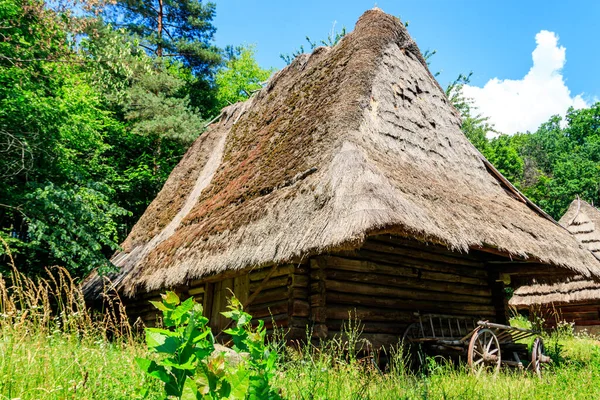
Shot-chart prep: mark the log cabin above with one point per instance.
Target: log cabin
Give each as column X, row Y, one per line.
column 344, row 185
column 575, row 300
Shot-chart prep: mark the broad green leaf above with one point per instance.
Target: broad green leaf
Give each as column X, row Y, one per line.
column 203, row 384
column 182, row 309
column 239, row 381
column 165, row 332
column 170, row 298
column 153, row 369
column 162, row 343
column 159, row 305
column 190, row 390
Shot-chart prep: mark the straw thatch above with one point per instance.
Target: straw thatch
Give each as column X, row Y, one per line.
column 572, row 290
column 583, row 221
column 345, row 142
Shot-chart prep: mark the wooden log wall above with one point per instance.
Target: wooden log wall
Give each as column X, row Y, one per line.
column 584, row 313
column 278, row 295
column 283, row 298
column 389, row 279
column 382, row 284
column 139, row 310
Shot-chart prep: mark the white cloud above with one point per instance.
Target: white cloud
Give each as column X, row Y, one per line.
column 521, row 105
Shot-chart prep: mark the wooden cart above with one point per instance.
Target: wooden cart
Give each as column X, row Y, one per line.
column 486, row 345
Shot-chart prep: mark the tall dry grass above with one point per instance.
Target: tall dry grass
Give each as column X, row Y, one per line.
column 55, row 302
column 53, row 346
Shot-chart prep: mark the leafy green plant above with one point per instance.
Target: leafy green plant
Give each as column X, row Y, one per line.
column 181, row 348
column 189, row 365
column 262, row 361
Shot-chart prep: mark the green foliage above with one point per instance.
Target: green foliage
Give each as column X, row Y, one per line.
column 262, row 360
column 55, row 127
column 505, row 157
column 183, row 348
column 559, row 161
column 67, row 354
column 333, row 38
column 75, row 223
column 150, row 94
column 179, row 29
column 551, row 166
column 475, row 126
column 85, row 135
column 91, row 128
column 241, row 76
column 188, row 364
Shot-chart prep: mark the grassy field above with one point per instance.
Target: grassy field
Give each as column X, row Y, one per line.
column 60, row 352
column 57, row 365
column 576, row 375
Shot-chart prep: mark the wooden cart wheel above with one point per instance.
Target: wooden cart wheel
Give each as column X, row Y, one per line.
column 413, row 331
column 484, row 352
column 537, row 356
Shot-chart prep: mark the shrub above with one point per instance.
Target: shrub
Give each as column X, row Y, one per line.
column 188, row 364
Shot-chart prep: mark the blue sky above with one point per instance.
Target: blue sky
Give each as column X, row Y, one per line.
column 494, row 39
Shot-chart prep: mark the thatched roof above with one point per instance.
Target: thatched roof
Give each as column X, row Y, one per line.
column 345, row 142
column 572, row 290
column 583, row 221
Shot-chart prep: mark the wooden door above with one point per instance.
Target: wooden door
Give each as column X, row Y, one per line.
column 221, row 293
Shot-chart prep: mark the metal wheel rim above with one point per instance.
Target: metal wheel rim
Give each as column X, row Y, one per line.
column 484, row 352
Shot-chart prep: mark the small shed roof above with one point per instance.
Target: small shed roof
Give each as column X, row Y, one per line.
column 583, row 220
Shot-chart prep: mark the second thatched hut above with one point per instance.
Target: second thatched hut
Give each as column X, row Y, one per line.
column 575, row 300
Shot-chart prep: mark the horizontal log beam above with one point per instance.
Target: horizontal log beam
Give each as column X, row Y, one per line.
column 286, row 269
column 411, row 262
column 430, row 247
column 376, row 340
column 365, row 314
column 403, row 293
column 422, row 253
column 280, row 293
column 197, row 290
column 401, row 268
column 455, row 308
column 407, row 282
column 281, row 281
column 266, row 310
column 533, row 269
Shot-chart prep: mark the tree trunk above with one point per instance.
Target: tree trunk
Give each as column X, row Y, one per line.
column 159, row 48
column 157, row 154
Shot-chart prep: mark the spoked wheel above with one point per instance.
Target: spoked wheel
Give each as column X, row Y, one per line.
column 484, row 352
column 537, row 356
column 413, row 331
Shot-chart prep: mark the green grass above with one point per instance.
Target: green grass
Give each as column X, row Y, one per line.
column 52, row 348
column 65, row 366
column 576, row 376
column 36, row 365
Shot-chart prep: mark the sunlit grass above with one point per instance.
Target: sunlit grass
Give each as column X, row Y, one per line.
column 51, row 347
column 577, row 375
column 61, row 366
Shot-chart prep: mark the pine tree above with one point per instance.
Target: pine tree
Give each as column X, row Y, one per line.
column 172, row 28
